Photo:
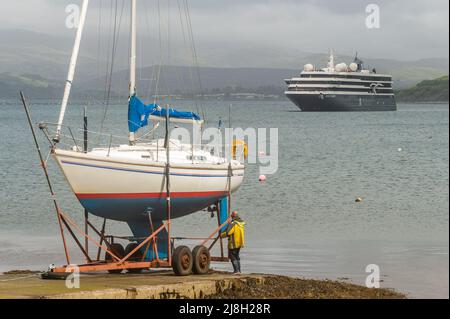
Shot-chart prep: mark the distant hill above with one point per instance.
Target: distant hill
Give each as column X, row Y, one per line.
column 184, row 80
column 237, row 69
column 27, row 52
column 426, row 91
column 34, row 86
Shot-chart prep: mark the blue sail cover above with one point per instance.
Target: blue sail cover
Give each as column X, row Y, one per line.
column 139, row 113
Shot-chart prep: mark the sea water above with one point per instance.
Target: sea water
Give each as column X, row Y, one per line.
column 303, row 221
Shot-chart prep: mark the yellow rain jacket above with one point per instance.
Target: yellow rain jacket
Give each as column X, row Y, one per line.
column 235, row 233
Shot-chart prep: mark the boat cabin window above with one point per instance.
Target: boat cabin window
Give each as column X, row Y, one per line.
column 197, row 158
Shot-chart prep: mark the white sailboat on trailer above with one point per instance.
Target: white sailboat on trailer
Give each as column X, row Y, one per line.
column 128, row 182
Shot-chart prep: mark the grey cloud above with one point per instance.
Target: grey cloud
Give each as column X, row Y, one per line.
column 410, row 29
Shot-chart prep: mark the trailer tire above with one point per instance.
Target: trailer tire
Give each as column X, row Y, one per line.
column 182, row 261
column 136, row 257
column 202, row 260
column 119, row 251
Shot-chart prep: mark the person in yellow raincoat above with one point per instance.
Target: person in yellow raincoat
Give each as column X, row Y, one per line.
column 236, row 240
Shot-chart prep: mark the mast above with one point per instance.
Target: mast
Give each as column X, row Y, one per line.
column 73, row 64
column 133, row 59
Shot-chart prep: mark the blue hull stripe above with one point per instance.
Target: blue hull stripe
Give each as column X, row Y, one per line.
column 145, row 172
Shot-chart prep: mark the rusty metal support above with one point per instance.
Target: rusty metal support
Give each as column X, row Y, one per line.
column 61, row 229
column 114, row 266
column 153, row 242
column 73, row 224
column 63, row 218
column 86, row 230
column 220, row 259
column 216, row 231
column 85, row 150
column 102, row 238
column 219, row 237
column 213, row 243
column 142, row 244
column 168, row 199
column 44, row 167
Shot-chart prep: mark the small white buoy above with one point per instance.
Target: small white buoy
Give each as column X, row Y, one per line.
column 400, row 149
column 262, row 178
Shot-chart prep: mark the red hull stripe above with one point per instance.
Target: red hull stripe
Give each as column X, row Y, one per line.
column 152, row 195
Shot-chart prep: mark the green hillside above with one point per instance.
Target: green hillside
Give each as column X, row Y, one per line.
column 426, row 91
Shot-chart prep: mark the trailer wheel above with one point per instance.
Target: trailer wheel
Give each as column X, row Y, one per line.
column 182, row 261
column 202, row 260
column 119, row 251
column 137, row 256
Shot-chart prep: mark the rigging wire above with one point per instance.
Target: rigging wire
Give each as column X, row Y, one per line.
column 99, row 30
column 161, row 81
column 189, row 69
column 158, row 77
column 116, row 34
column 165, row 77
column 195, row 56
column 108, row 56
column 152, row 68
column 91, row 97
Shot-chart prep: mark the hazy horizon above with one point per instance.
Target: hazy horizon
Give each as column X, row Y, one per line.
column 70, row 38
column 409, row 30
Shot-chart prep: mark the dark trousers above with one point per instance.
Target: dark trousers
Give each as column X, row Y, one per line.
column 235, row 259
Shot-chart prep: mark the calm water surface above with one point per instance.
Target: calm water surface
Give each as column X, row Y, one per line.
column 304, row 221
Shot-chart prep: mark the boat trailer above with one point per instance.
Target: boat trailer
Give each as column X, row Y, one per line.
column 181, row 259
column 116, row 259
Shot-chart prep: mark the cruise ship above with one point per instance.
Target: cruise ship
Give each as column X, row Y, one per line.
column 341, row 88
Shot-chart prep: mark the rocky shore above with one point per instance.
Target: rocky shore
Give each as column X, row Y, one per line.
column 165, row 285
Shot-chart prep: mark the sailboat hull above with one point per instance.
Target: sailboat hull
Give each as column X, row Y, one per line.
column 130, row 190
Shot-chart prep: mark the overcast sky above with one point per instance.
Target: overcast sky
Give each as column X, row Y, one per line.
column 410, row 29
